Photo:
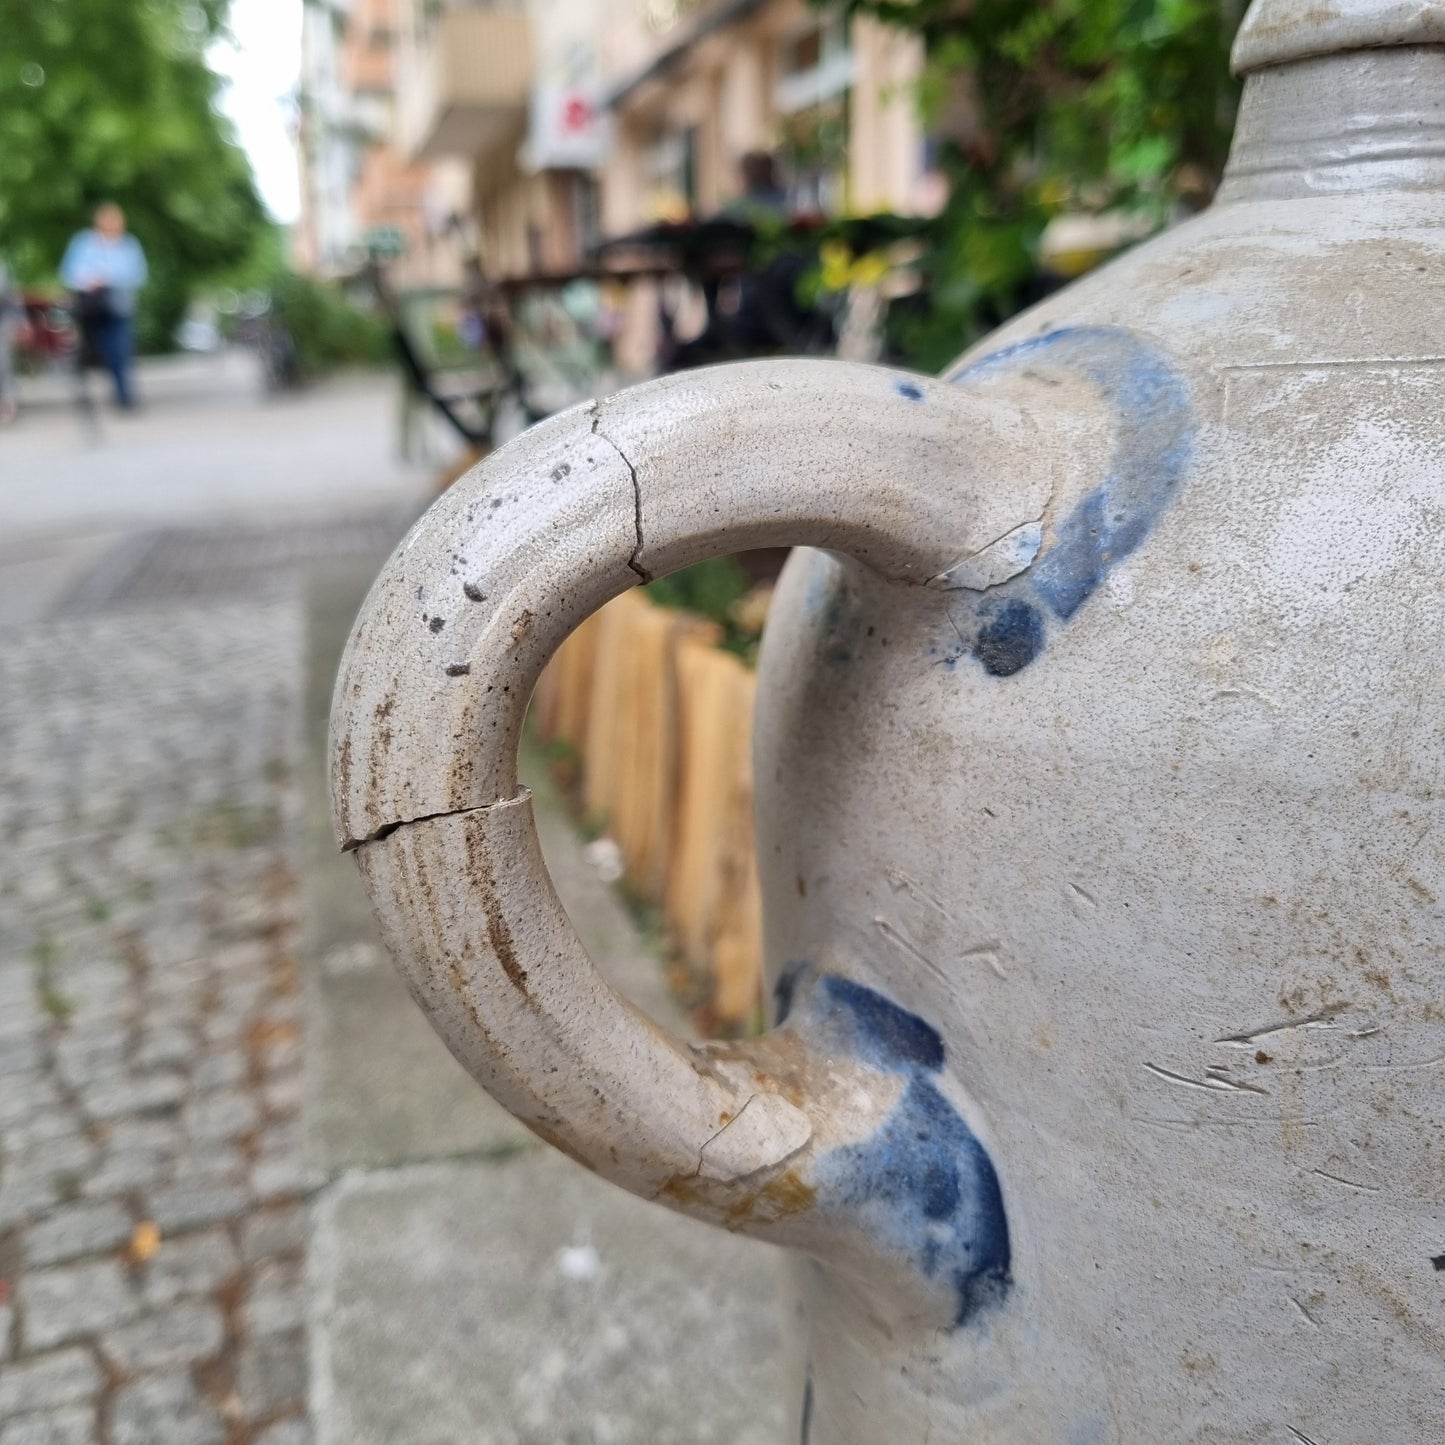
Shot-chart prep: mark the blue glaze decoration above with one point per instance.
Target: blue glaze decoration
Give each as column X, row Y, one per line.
column 1010, row 636
column 881, row 1033
column 923, row 1185
column 1005, row 627
column 911, row 390
column 785, row 988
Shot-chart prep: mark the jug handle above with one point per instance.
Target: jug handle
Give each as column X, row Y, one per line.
column 905, row 474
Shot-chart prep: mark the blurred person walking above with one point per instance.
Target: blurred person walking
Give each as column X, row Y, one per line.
column 105, row 267
column 9, row 324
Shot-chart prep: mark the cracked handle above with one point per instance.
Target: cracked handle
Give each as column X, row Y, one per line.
column 900, row 472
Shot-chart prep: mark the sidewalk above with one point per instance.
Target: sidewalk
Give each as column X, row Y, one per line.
column 152, row 1230
column 208, row 448
column 527, row 1301
column 246, row 1197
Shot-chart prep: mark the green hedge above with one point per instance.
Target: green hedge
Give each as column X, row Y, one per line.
column 328, row 330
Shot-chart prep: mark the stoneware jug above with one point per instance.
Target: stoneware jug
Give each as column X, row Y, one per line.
column 1099, row 779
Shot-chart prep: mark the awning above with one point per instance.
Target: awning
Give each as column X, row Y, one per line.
column 726, row 14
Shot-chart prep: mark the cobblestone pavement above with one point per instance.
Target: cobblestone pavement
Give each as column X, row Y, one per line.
column 153, row 1175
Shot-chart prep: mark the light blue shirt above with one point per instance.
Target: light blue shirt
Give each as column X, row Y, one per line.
column 119, row 264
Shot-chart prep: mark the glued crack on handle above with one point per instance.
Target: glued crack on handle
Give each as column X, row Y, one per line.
column 901, row 472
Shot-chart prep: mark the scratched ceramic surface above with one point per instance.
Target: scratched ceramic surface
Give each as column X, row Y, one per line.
column 1154, row 844
column 1098, row 757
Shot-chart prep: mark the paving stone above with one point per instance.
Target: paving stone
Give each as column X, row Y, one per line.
column 175, row 951
column 157, row 1135
column 281, row 1055
column 244, row 917
column 284, row 1013
column 26, row 1094
column 283, row 1096
column 164, row 1410
column 282, row 1138
column 285, row 1177
column 43, row 1382
column 71, row 1425
column 77, row 1230
column 24, row 1197
column 274, row 1309
column 195, row 1264
column 219, row 1069
column 172, row 1013
column 128, row 1095
column 274, row 1233
column 222, row 1115
column 82, row 1053
column 173, row 1006
column 240, row 958
column 190, row 1208
column 67, row 1154
column 58, row 1305
column 150, row 848
column 42, row 1130
column 211, row 1155
column 20, row 1054
column 130, row 1171
column 39, row 1172
column 243, row 992
column 158, row 1048
column 181, row 1335
column 21, row 1015
column 224, row 1030
column 287, row 1432
column 272, row 1374
column 97, row 989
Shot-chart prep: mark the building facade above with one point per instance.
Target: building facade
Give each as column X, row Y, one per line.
column 695, row 86
column 531, row 128
column 363, row 190
column 326, row 150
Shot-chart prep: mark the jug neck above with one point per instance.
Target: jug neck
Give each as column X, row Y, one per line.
column 1353, row 120
column 1276, row 32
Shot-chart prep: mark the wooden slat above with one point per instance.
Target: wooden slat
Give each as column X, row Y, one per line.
column 662, row 722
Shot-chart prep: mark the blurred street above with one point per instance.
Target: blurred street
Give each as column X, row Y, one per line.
column 246, row 1198
column 207, row 449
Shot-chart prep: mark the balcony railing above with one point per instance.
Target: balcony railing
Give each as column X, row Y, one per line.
column 463, row 83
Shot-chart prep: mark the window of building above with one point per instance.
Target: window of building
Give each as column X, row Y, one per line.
column 586, row 211
column 814, row 81
column 672, row 175
column 817, row 65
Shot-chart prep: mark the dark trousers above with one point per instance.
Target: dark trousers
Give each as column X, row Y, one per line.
column 110, row 342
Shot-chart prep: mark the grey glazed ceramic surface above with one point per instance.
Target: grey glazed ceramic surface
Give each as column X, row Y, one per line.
column 1098, row 756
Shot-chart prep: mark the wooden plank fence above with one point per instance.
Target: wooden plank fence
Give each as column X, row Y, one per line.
column 661, row 721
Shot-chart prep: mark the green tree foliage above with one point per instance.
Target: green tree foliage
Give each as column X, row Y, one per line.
column 1053, row 106
column 113, row 100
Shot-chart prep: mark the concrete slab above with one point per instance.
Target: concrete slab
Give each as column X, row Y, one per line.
column 35, row 575
column 506, row 1298
column 208, row 445
column 525, row 1303
column 382, row 1089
